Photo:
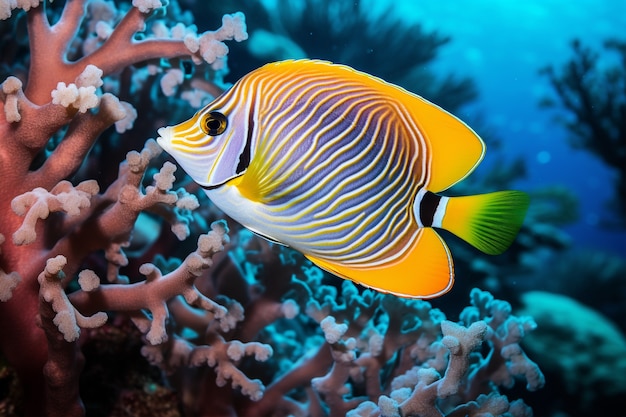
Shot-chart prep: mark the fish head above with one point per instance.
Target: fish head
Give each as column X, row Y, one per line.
column 212, row 147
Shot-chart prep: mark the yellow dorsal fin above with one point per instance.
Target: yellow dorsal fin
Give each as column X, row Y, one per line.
column 454, row 149
column 426, row 271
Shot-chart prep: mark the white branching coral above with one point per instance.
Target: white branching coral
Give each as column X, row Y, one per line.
column 11, row 87
column 223, row 356
column 333, row 331
column 67, row 319
column 7, row 6
column 210, row 45
column 81, row 94
column 39, row 203
column 146, row 6
column 196, row 98
column 103, row 30
column 91, row 76
column 171, row 80
column 127, row 122
column 234, row 27
column 153, row 293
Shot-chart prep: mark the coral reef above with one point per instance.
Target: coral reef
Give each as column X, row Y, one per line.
column 592, row 96
column 582, row 352
column 49, row 122
column 593, row 277
column 95, row 320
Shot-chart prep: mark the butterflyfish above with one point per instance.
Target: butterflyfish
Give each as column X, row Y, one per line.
column 347, row 169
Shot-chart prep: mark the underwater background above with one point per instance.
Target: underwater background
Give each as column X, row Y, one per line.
column 501, row 47
column 542, row 81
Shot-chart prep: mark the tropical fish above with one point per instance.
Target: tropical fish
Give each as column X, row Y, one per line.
column 345, row 168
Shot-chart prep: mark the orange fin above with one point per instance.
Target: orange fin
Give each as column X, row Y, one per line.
column 426, row 271
column 454, row 148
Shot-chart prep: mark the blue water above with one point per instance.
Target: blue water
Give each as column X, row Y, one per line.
column 502, row 45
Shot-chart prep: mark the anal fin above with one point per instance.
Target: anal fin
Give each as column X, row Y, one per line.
column 425, row 271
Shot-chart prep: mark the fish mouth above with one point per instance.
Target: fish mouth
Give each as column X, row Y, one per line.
column 165, row 137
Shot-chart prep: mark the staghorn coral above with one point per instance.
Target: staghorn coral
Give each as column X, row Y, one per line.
column 382, row 352
column 50, row 120
column 426, row 383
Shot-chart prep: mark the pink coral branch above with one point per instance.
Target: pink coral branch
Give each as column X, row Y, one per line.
column 132, row 22
column 507, row 360
column 30, row 125
column 47, row 56
column 39, row 203
column 153, row 293
column 100, row 220
column 460, row 341
column 67, row 320
column 333, row 386
column 223, row 356
column 127, row 51
column 120, row 50
column 30, row 116
column 60, row 322
column 134, row 52
column 66, row 28
column 274, row 397
column 78, row 141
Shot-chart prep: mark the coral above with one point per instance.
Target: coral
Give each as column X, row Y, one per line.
column 582, row 352
column 50, row 119
column 382, row 355
column 592, row 276
column 8, row 281
column 469, row 378
column 592, row 97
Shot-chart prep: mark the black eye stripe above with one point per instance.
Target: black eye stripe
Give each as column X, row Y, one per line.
column 214, row 123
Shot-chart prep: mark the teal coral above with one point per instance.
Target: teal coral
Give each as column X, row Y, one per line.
column 581, row 350
column 396, row 354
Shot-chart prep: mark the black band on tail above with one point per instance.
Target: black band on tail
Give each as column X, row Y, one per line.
column 428, row 206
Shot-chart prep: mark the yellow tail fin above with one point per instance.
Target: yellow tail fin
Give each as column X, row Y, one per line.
column 489, row 222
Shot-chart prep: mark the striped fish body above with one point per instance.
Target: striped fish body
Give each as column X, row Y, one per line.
column 342, row 167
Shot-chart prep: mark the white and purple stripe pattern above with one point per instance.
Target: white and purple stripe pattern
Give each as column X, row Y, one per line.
column 337, row 164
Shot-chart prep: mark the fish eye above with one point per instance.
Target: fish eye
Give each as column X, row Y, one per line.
column 214, row 123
